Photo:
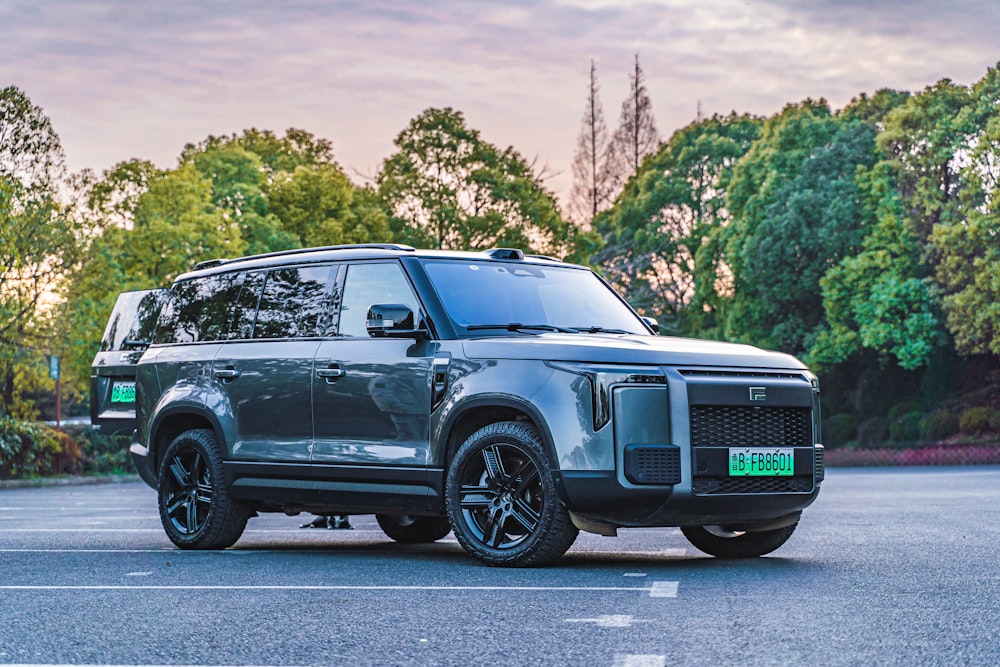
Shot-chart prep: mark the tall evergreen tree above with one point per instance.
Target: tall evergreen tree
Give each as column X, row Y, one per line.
column 636, row 136
column 590, row 179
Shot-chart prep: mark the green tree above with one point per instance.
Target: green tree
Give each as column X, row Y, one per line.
column 661, row 237
column 447, row 188
column 37, row 241
column 174, row 224
column 967, row 245
column 319, row 206
column 239, row 192
column 286, row 192
column 882, row 298
column 796, row 212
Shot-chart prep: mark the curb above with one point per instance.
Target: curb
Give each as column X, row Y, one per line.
column 72, row 480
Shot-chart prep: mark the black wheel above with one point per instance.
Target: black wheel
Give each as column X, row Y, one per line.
column 502, row 500
column 413, row 529
column 196, row 509
column 722, row 543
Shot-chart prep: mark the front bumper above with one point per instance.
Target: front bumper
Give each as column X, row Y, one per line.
column 600, row 496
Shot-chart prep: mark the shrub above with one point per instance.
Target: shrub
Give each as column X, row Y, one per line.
column 906, row 428
column 29, row 449
column 974, row 421
column 104, row 454
column 839, row 429
column 939, row 425
column 873, row 432
column 900, row 410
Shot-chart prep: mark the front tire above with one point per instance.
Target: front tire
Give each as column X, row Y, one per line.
column 196, row 509
column 502, row 499
column 716, row 541
column 413, row 529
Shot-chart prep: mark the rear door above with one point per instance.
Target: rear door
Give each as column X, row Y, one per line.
column 112, row 378
column 265, row 368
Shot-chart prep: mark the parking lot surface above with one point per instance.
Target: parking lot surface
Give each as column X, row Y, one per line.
column 894, row 567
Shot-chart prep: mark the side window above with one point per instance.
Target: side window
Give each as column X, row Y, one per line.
column 133, row 318
column 295, row 303
column 245, row 308
column 370, row 284
column 197, row 310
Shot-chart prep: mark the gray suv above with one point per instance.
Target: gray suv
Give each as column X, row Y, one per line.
column 510, row 398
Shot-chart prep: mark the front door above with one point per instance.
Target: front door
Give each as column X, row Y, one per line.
column 372, row 396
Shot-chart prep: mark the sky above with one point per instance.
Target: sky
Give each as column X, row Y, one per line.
column 124, row 79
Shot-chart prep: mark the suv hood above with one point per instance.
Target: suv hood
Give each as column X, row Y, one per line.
column 628, row 349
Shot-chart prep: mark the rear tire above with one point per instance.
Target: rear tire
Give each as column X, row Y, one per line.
column 502, row 499
column 413, row 529
column 723, row 544
column 196, row 509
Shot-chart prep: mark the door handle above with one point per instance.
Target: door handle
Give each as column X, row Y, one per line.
column 332, row 374
column 226, row 373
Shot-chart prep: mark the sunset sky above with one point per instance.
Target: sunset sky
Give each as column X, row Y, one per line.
column 129, row 78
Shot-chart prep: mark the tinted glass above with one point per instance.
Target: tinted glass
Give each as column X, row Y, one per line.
column 133, row 319
column 245, row 308
column 296, row 303
column 478, row 293
column 370, row 284
column 197, row 309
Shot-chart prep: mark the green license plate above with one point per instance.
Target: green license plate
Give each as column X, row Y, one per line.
column 123, row 392
column 761, row 462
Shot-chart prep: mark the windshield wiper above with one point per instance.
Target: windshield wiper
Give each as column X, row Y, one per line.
column 517, row 326
column 597, row 329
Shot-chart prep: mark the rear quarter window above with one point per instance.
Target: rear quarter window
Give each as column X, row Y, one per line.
column 198, row 309
column 133, row 319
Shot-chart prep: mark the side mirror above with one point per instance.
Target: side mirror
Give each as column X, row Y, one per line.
column 391, row 320
column 652, row 324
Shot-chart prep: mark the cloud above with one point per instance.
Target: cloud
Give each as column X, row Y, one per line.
column 125, row 79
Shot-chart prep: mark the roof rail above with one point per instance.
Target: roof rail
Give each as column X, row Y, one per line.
column 504, row 253
column 209, row 263
column 546, row 257
column 295, row 251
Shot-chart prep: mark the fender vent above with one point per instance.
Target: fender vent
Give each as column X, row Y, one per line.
column 653, row 464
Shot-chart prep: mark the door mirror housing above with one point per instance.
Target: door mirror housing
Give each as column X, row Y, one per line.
column 392, row 320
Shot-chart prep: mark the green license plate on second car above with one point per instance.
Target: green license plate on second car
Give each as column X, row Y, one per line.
column 123, row 392
column 761, row 462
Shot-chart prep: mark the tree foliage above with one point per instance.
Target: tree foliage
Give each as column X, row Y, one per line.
column 37, row 240
column 661, row 238
column 448, row 188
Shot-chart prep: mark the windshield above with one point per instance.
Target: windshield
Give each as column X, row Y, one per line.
column 529, row 297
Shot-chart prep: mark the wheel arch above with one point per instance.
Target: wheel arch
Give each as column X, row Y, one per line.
column 479, row 412
column 173, row 421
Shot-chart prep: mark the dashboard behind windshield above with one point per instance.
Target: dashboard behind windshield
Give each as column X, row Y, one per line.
column 478, row 293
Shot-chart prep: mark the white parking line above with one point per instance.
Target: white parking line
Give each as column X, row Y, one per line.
column 611, row 621
column 664, row 589
column 195, row 587
column 640, row 661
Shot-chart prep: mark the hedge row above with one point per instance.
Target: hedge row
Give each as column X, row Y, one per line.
column 29, row 449
column 932, row 455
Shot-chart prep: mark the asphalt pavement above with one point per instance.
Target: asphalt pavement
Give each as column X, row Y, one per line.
column 888, row 567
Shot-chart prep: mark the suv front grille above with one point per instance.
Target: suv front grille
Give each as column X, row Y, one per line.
column 741, row 426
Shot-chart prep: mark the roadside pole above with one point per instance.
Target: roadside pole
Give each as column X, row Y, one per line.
column 54, row 374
